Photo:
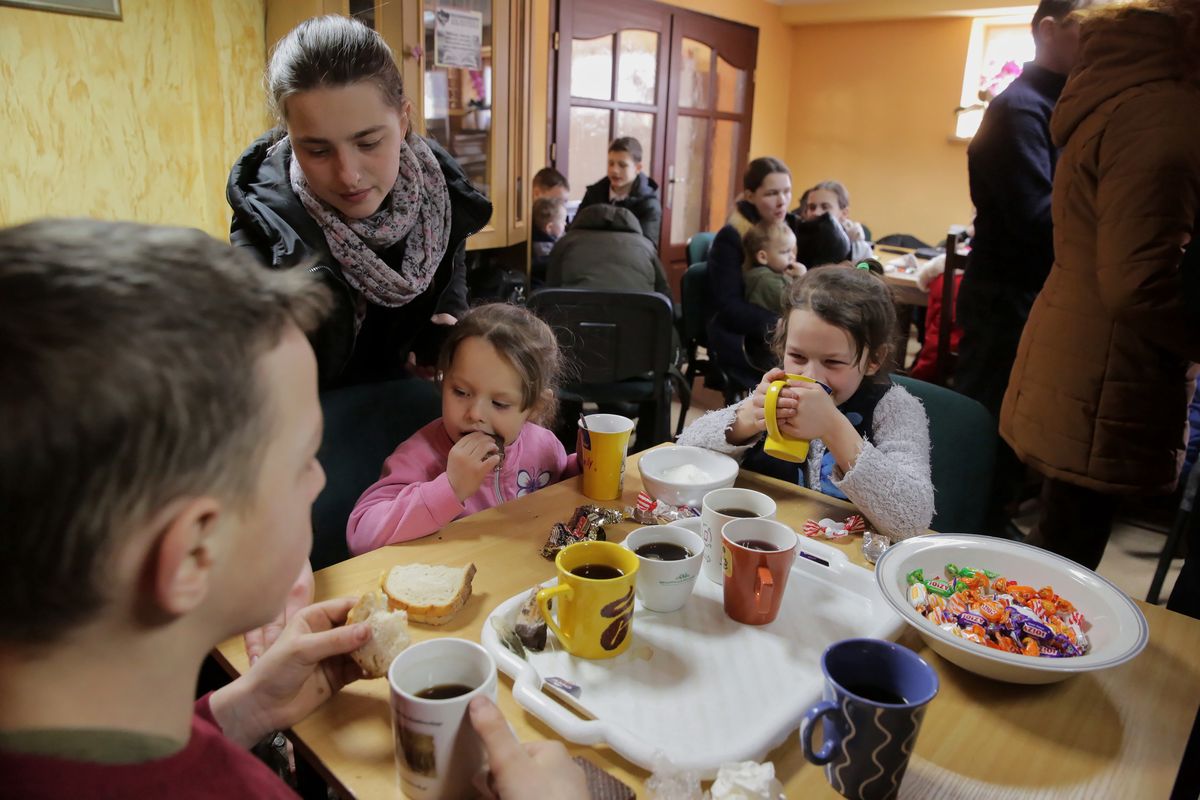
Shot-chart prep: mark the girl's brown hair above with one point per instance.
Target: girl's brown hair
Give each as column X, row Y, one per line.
column 855, row 300
column 524, row 341
column 331, row 52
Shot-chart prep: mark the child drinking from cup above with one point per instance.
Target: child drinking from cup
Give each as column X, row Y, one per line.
column 498, row 369
column 870, row 438
column 771, row 264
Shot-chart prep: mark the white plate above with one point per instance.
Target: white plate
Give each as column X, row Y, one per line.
column 696, row 689
column 1118, row 629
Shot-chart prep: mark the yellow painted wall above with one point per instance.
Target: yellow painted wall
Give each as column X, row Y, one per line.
column 871, row 105
column 135, row 119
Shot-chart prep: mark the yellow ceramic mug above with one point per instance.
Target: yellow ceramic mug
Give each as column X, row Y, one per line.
column 603, row 441
column 595, row 614
column 778, row 445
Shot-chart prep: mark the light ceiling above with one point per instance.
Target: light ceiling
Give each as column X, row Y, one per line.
column 807, row 12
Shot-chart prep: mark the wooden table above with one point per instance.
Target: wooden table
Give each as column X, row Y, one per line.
column 1118, row 733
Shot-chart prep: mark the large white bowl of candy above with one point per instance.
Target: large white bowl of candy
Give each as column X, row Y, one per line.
column 1007, row 610
column 681, row 476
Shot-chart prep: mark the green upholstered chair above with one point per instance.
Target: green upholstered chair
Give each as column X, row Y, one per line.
column 698, row 246
column 962, row 436
column 363, row 425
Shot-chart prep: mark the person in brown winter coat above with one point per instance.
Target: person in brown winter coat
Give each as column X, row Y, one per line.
column 1098, row 395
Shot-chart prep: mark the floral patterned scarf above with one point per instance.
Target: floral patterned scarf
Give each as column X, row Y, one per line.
column 418, row 208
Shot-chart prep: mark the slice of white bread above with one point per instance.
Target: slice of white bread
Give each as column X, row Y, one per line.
column 430, row 594
column 389, row 633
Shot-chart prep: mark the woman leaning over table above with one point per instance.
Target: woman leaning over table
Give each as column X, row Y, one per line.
column 1099, row 392
column 345, row 187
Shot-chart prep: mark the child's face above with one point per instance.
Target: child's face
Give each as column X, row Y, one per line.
column 780, row 253
column 822, row 201
column 622, row 170
column 347, row 140
column 825, row 353
column 270, row 539
column 482, row 392
column 557, row 226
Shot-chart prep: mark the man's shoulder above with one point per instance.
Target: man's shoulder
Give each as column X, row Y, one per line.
column 210, row 766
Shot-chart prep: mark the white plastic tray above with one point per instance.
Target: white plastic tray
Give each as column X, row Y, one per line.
column 696, row 689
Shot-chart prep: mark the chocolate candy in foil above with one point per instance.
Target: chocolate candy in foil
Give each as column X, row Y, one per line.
column 586, row 524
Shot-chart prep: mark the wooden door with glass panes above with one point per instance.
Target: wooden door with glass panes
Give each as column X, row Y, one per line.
column 682, row 83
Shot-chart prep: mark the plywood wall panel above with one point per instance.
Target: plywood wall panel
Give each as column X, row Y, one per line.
column 134, row 119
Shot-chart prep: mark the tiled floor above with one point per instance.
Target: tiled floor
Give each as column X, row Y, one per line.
column 1128, row 562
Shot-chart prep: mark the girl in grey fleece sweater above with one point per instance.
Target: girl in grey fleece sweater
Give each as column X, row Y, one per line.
column 870, row 438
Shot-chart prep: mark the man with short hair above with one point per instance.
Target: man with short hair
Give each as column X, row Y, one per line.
column 1011, row 164
column 157, row 471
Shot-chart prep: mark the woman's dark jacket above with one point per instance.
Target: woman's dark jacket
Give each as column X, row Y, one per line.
column 269, row 219
column 642, row 201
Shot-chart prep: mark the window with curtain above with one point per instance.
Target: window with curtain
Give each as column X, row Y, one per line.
column 998, row 49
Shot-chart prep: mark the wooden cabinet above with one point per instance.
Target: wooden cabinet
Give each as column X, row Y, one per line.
column 479, row 112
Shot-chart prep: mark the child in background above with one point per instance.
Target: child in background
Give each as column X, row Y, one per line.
column 549, row 182
column 625, row 185
column 498, row 369
column 831, row 197
column 870, row 438
column 549, row 224
column 771, row 264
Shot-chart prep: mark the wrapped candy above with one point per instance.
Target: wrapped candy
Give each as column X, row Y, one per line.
column 587, row 523
column 649, row 511
column 988, row 609
column 825, row 528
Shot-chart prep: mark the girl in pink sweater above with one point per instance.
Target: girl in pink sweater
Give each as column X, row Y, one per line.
column 498, row 369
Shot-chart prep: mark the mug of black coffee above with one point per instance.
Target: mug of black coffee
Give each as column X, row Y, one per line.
column 874, row 701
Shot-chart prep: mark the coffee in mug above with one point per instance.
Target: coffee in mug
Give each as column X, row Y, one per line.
column 663, row 551
column 758, row 544
column 738, row 512
column 443, row 691
column 597, row 572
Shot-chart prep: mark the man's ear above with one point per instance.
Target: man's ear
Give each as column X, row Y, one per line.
column 186, row 549
column 1047, row 29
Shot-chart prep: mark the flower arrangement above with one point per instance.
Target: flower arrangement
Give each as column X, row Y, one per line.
column 995, row 80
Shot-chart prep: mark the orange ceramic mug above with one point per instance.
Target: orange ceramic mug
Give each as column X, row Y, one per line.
column 757, row 557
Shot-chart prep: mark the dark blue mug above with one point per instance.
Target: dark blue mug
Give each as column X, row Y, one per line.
column 874, row 700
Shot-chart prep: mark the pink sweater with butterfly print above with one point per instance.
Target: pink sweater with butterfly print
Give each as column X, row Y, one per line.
column 413, row 497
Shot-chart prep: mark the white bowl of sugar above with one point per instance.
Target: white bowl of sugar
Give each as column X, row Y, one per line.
column 681, row 476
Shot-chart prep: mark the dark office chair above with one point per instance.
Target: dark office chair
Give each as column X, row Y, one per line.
column 962, row 436
column 693, row 334
column 363, row 425
column 619, row 347
column 945, row 357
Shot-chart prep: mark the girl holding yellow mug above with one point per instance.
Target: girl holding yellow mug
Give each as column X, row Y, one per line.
column 867, row 439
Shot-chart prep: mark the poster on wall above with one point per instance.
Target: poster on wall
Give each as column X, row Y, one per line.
column 458, row 38
column 110, row 9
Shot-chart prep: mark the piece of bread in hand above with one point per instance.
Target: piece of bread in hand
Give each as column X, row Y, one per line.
column 431, row 594
column 389, row 633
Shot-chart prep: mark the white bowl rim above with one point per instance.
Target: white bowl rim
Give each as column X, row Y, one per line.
column 1085, row 663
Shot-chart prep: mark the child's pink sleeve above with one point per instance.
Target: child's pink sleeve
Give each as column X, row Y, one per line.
column 402, row 505
column 571, row 466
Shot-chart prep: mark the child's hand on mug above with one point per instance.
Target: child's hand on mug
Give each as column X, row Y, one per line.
column 814, row 414
column 472, row 459
column 751, row 420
